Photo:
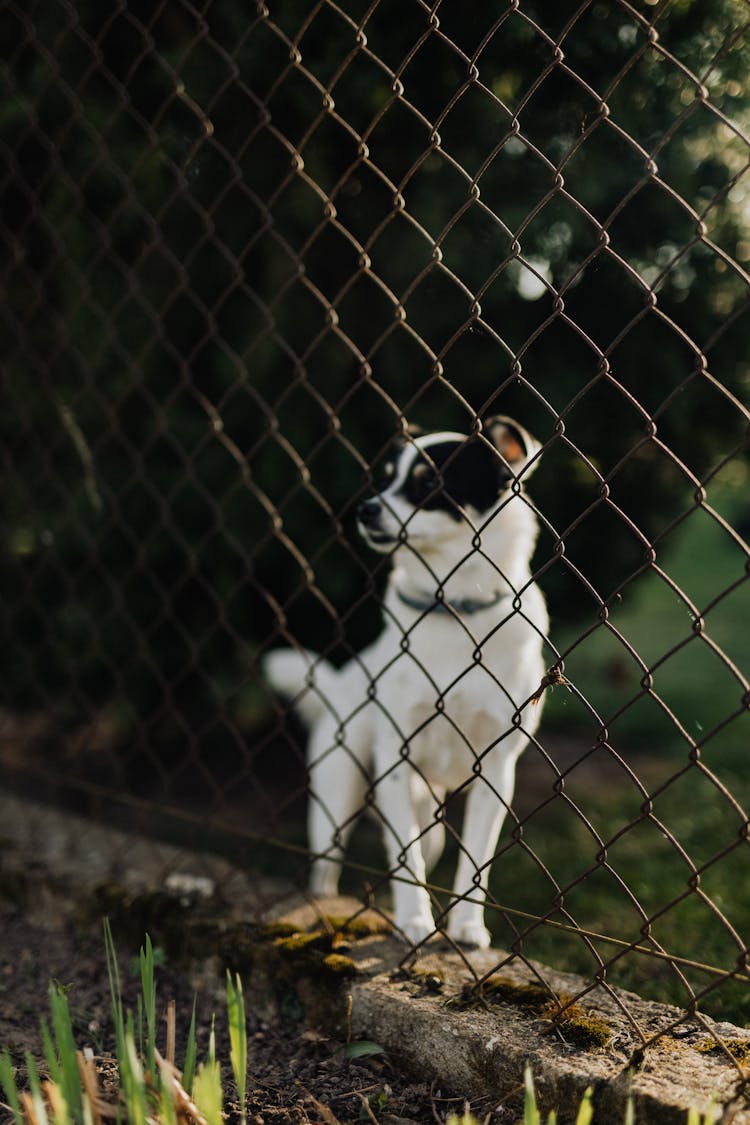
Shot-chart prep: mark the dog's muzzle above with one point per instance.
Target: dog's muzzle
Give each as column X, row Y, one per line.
column 369, row 512
column 369, row 517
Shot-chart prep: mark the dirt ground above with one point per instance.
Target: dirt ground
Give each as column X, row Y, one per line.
column 297, row 1077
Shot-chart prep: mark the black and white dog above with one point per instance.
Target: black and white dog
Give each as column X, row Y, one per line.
column 442, row 696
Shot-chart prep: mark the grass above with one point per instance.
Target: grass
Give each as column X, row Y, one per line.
column 151, row 1089
column 701, row 574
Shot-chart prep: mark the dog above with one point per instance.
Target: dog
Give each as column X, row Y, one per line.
column 445, row 695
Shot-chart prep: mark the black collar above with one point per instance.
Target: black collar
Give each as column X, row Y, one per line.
column 463, row 606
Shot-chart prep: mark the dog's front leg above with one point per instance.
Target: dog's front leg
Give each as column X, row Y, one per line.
column 486, row 806
column 401, row 830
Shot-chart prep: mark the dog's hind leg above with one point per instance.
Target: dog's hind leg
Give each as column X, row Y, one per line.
column 338, row 783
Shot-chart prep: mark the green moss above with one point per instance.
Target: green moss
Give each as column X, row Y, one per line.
column 739, row 1049
column 340, row 966
column 297, row 944
column 581, row 1028
column 361, row 925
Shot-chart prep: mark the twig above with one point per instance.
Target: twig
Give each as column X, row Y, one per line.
column 171, row 1031
column 368, row 1109
column 326, row 1113
column 90, row 1083
column 183, row 1103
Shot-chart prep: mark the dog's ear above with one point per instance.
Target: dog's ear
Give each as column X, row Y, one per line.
column 515, row 445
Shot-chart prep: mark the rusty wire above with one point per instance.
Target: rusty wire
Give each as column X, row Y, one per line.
column 99, row 170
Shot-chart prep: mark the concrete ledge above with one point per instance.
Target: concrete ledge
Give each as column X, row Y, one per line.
column 481, row 1046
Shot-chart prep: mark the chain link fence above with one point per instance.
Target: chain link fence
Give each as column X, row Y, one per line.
column 243, row 249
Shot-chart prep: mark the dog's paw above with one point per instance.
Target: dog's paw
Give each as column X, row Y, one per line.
column 416, row 929
column 473, row 934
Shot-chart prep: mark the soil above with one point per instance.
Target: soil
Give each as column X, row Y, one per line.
column 296, row 1076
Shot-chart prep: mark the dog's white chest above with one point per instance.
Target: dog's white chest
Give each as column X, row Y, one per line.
column 454, row 698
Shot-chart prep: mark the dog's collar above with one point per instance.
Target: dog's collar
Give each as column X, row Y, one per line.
column 441, row 605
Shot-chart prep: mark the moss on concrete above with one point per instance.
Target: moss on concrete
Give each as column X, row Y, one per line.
column 339, row 966
column 577, row 1025
column 360, row 925
column 739, row 1049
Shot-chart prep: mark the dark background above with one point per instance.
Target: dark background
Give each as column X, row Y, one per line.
column 201, row 369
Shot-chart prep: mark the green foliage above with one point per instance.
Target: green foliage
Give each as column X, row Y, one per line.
column 362, row 1048
column 148, row 993
column 238, row 1037
column 188, row 1066
column 61, row 1059
column 8, row 1083
column 207, row 1092
column 608, row 887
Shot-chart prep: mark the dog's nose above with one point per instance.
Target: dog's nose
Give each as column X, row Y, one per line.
column 369, row 511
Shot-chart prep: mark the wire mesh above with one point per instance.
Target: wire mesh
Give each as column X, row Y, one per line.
column 242, row 252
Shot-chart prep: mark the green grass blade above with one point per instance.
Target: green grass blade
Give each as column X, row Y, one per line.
column 115, row 990
column 212, row 1041
column 237, row 1038
column 8, row 1083
column 630, row 1111
column 69, row 1079
column 530, row 1111
column 188, row 1068
column 207, row 1092
column 132, row 1079
column 190, row 1052
column 167, row 1109
column 586, row 1109
column 148, row 986
column 50, row 1053
column 140, row 1037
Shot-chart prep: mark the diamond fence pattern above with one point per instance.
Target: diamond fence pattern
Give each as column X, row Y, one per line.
column 242, row 251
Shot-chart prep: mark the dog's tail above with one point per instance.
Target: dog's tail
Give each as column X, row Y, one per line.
column 302, row 677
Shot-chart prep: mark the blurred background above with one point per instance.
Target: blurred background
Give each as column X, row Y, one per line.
column 242, row 248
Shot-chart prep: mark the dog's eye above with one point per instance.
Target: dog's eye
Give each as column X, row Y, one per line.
column 424, row 480
column 386, row 473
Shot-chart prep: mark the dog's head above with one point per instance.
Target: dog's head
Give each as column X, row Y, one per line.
column 440, row 483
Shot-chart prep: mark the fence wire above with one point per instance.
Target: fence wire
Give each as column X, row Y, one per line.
column 243, row 251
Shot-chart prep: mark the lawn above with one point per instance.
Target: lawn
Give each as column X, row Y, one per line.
column 652, row 814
